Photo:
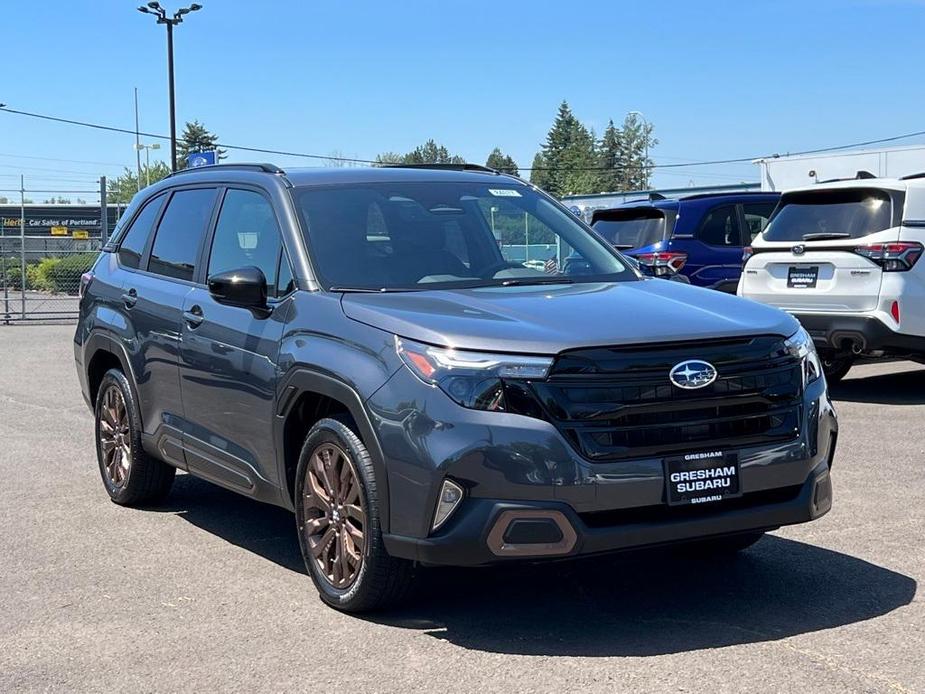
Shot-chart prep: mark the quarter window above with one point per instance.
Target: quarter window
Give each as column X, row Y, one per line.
column 720, row 227
column 246, row 235
column 757, row 215
column 180, row 232
column 132, row 246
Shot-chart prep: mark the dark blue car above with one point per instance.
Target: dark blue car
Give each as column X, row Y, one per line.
column 699, row 236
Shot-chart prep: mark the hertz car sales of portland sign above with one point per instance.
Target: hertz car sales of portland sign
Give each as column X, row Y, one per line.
column 53, row 220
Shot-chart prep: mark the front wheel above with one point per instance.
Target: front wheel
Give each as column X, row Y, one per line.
column 339, row 524
column 836, row 368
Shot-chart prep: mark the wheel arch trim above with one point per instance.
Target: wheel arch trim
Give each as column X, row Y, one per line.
column 302, row 380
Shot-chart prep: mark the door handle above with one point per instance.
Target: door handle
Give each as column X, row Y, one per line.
column 130, row 298
column 193, row 316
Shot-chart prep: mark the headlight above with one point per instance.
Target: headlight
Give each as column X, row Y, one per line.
column 472, row 379
column 800, row 344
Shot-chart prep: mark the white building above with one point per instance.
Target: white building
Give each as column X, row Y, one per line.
column 783, row 172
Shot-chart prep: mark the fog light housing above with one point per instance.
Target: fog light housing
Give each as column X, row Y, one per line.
column 450, row 496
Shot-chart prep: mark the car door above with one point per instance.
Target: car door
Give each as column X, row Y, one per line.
column 153, row 289
column 718, row 261
column 228, row 359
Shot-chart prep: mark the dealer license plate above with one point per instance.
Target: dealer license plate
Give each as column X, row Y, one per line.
column 802, row 276
column 700, row 478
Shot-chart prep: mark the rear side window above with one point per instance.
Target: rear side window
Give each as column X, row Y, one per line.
column 632, row 228
column 132, row 246
column 720, row 227
column 830, row 214
column 757, row 215
column 246, row 235
column 176, row 243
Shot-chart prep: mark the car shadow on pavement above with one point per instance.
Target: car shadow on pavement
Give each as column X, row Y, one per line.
column 632, row 604
column 651, row 603
column 266, row 530
column 899, row 388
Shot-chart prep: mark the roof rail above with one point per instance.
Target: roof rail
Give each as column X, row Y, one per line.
column 265, row 168
column 909, row 177
column 859, row 176
column 444, row 167
column 720, row 193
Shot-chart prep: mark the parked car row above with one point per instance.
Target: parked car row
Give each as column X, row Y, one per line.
column 841, row 256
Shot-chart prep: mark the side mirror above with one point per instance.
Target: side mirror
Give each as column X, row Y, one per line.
column 245, row 287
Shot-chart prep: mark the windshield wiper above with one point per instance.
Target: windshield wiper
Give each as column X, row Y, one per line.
column 525, row 281
column 822, row 236
column 367, row 290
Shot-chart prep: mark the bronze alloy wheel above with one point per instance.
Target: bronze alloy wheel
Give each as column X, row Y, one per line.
column 335, row 517
column 115, row 437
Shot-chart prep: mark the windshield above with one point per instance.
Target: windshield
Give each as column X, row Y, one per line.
column 408, row 236
column 632, row 228
column 830, row 214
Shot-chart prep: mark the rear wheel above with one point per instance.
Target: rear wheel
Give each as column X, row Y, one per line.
column 836, row 367
column 337, row 516
column 129, row 474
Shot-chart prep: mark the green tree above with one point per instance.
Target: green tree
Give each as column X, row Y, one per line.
column 428, row 153
column 195, row 138
column 636, row 142
column 504, row 163
column 539, row 176
column 611, row 177
column 570, row 156
column 122, row 188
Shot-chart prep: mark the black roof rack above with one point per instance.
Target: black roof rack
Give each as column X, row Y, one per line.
column 444, row 167
column 719, row 193
column 265, row 168
column 859, row 176
column 909, row 177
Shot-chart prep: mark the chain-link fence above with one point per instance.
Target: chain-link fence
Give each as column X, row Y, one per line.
column 48, row 239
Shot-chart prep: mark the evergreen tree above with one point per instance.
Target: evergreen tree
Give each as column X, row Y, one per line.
column 539, row 176
column 428, row 153
column 196, row 138
column 499, row 161
column 569, row 153
column 636, row 142
column 610, row 178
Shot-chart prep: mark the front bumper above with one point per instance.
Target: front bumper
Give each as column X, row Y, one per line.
column 468, row 540
column 508, row 462
column 866, row 331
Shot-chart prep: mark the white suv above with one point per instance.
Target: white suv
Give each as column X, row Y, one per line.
column 843, row 257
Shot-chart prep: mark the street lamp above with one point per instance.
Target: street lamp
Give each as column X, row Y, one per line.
column 170, row 22
column 147, row 149
column 645, row 136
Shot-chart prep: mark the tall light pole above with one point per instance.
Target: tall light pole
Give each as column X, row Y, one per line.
column 170, row 22
column 645, row 136
column 147, row 149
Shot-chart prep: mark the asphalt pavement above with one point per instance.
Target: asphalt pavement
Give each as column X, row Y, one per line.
column 208, row 593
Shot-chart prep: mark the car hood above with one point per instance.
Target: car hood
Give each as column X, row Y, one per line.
column 551, row 318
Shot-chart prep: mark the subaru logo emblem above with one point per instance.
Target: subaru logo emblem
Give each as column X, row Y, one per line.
column 692, row 374
column 799, row 249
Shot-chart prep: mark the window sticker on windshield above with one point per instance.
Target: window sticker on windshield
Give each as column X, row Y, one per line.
column 504, row 193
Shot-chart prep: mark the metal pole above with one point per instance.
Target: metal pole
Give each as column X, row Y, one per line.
column 173, row 115
column 22, row 243
column 104, row 212
column 147, row 165
column 526, row 237
column 137, row 143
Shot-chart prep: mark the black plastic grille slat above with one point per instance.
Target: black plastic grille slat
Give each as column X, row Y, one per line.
column 619, row 403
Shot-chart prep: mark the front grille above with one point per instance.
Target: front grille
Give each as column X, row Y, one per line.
column 615, row 403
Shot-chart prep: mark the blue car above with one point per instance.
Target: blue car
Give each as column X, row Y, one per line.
column 698, row 236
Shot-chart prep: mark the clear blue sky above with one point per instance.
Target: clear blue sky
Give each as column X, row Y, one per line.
column 718, row 79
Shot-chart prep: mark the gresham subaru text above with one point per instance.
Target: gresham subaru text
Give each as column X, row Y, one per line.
column 360, row 346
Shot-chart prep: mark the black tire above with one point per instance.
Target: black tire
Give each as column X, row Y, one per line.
column 381, row 580
column 728, row 544
column 141, row 479
column 836, row 368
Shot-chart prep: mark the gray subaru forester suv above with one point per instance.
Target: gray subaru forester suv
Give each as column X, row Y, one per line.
column 401, row 357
